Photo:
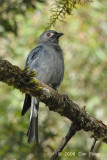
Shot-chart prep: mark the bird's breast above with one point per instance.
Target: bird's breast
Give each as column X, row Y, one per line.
column 50, row 68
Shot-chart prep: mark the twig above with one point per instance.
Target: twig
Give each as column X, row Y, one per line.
column 94, row 149
column 93, row 145
column 61, row 8
column 65, row 140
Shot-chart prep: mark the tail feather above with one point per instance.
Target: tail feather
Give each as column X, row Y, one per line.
column 31, row 131
column 33, row 128
column 27, row 104
column 36, row 131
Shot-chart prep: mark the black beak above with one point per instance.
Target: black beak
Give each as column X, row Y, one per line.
column 59, row 35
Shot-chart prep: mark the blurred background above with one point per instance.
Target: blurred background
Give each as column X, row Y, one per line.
column 84, row 47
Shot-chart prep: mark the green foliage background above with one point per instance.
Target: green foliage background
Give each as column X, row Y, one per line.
column 84, row 46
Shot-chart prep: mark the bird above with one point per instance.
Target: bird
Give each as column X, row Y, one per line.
column 46, row 59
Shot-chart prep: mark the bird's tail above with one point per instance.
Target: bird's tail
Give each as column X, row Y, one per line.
column 33, row 128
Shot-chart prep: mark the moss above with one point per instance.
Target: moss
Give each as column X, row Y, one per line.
column 14, row 76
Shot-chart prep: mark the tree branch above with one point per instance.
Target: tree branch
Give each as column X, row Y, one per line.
column 69, row 135
column 25, row 82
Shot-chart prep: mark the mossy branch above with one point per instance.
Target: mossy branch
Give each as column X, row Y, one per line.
column 61, row 8
column 26, row 83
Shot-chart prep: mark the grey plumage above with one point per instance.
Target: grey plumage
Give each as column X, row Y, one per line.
column 47, row 61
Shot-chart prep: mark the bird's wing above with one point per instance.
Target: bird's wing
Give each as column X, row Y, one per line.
column 32, row 56
column 27, row 104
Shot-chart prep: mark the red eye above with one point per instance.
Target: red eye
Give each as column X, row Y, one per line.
column 48, row 34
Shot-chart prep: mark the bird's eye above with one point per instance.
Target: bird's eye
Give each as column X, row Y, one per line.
column 48, row 34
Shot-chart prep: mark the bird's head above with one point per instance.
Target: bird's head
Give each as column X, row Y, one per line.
column 49, row 36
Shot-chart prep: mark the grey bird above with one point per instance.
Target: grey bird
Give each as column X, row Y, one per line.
column 47, row 61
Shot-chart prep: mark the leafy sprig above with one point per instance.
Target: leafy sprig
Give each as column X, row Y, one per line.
column 61, row 8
